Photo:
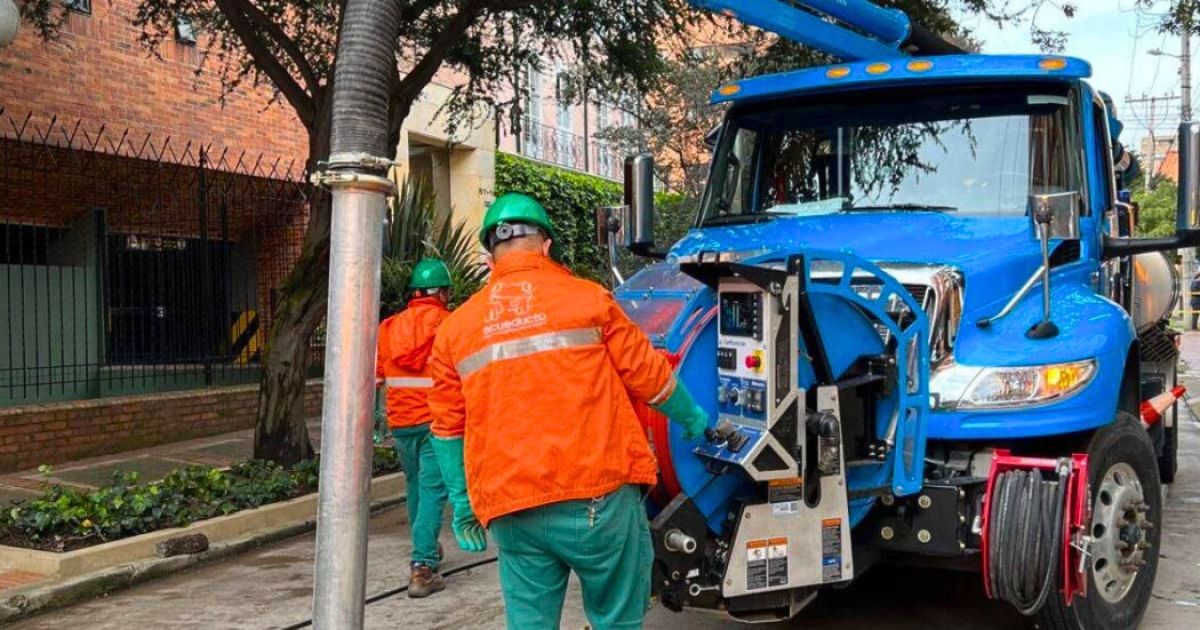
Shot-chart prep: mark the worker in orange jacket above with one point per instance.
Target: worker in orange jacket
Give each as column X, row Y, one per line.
column 402, row 371
column 535, row 430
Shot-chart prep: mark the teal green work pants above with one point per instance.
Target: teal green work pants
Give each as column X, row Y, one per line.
column 426, row 491
column 605, row 541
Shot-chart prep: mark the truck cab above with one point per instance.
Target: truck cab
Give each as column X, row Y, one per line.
column 912, row 283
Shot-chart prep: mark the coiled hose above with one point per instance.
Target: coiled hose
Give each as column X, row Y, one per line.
column 1025, row 537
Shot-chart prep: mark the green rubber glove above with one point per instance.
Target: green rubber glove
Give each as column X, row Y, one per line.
column 683, row 410
column 470, row 534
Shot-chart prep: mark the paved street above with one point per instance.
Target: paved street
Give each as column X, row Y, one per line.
column 271, row 587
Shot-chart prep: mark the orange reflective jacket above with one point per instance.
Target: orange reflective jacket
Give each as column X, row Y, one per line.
column 536, row 373
column 402, row 362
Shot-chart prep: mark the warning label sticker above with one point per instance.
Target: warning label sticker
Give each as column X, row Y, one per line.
column 787, row 508
column 831, row 549
column 756, row 564
column 777, row 562
column 788, row 490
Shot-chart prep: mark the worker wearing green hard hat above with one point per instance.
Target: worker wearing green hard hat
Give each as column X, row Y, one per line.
column 536, row 378
column 403, row 377
column 430, row 273
column 514, row 215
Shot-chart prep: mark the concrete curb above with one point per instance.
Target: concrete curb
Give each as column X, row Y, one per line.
column 35, row 598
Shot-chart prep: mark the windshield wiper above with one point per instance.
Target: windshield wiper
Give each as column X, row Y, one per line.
column 734, row 219
column 902, row 206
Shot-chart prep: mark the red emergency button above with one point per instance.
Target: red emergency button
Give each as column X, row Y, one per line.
column 753, row 361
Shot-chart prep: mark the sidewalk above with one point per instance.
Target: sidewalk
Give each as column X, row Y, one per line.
column 150, row 463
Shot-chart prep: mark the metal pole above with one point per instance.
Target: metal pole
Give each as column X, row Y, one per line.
column 1185, row 75
column 346, row 449
column 1148, row 178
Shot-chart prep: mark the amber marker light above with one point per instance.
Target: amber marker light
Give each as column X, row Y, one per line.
column 1052, row 63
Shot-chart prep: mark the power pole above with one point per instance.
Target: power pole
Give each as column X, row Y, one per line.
column 1185, row 110
column 1151, row 163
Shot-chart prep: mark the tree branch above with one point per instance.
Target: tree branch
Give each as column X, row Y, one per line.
column 300, row 100
column 415, row 10
column 405, row 91
column 286, row 43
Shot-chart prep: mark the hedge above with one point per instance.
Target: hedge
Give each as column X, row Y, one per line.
column 571, row 199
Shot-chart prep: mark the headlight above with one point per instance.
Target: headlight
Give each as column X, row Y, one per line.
column 966, row 387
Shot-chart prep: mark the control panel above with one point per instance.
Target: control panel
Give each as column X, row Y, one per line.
column 759, row 405
column 743, row 353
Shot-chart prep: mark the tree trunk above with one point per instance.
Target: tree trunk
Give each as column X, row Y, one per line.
column 281, row 434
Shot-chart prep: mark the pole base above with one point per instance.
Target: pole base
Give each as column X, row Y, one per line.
column 1043, row 330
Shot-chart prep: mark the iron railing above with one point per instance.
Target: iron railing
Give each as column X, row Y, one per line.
column 568, row 149
column 131, row 263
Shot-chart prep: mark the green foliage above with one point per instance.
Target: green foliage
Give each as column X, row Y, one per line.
column 570, row 199
column 415, row 230
column 65, row 517
column 1156, row 208
column 675, row 213
column 675, row 115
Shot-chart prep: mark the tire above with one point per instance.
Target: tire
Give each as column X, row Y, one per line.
column 1117, row 448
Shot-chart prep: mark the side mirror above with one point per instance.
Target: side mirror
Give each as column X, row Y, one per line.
column 1060, row 211
column 639, row 198
column 1187, row 212
column 1187, row 215
column 611, row 226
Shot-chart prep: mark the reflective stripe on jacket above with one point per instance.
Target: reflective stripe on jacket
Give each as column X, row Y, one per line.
column 536, row 373
column 402, row 362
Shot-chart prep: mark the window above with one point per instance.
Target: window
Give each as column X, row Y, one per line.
column 973, row 152
column 184, row 32
column 533, row 114
column 1104, row 140
column 564, row 103
column 79, row 6
column 564, row 140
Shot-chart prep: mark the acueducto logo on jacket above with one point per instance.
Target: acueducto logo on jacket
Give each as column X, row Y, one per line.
column 514, row 300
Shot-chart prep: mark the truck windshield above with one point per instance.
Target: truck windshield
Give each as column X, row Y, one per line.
column 977, row 152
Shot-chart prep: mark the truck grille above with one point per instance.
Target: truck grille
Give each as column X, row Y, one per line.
column 940, row 298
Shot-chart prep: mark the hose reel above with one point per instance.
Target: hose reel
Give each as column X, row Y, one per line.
column 1034, row 527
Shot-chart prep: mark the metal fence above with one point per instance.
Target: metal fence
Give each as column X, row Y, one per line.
column 130, row 263
column 571, row 150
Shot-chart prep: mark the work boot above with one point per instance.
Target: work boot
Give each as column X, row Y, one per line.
column 424, row 582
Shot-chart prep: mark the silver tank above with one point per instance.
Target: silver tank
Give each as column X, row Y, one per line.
column 1156, row 289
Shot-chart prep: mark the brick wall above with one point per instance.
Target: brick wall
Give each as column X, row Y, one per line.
column 62, row 432
column 97, row 71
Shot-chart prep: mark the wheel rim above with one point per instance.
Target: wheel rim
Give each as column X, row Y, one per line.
column 1120, row 532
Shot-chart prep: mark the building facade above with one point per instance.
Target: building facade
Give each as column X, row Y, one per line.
column 553, row 127
column 148, row 221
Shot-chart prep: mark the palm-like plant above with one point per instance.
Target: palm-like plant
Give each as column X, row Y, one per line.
column 414, row 231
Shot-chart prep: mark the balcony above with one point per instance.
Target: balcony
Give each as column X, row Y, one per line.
column 570, row 150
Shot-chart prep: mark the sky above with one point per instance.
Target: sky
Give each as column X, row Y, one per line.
column 1116, row 39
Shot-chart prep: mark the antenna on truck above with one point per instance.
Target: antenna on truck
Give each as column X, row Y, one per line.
column 852, row 30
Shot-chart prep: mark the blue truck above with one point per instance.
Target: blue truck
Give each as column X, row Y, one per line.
column 913, row 305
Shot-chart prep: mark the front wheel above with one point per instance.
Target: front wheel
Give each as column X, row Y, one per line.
column 1125, row 529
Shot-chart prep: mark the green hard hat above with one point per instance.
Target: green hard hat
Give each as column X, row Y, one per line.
column 430, row 273
column 515, row 208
